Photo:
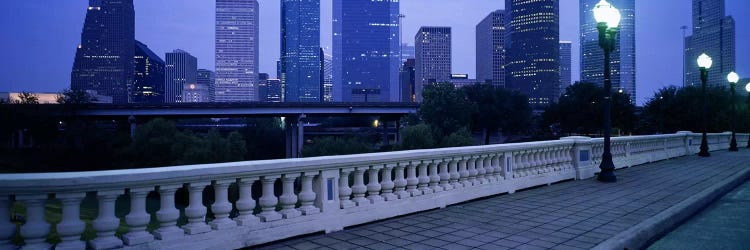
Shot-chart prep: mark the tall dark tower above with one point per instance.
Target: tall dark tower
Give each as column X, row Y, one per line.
column 104, row 58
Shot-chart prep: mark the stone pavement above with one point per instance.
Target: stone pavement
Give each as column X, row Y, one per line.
column 568, row 215
column 723, row 225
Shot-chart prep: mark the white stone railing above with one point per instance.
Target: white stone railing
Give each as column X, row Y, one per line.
column 320, row 194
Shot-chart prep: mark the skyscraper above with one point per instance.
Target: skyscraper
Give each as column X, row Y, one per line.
column 269, row 89
column 713, row 34
column 532, row 49
column 148, row 82
column 326, row 76
column 104, row 58
column 237, row 50
column 407, row 52
column 181, row 73
column 433, row 62
column 622, row 59
column 365, row 50
column 565, row 65
column 300, row 50
column 408, row 82
column 491, row 49
column 208, row 78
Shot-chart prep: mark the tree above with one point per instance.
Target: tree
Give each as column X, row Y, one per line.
column 75, row 97
column 498, row 108
column 672, row 109
column 27, row 98
column 335, row 146
column 264, row 139
column 460, row 138
column 445, row 108
column 580, row 110
column 416, row 137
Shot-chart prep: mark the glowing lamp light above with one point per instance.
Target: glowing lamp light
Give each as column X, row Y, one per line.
column 747, row 87
column 733, row 77
column 704, row 61
column 604, row 12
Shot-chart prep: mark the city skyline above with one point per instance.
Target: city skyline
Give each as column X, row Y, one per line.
column 652, row 72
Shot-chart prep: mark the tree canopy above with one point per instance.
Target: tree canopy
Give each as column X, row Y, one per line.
column 580, row 110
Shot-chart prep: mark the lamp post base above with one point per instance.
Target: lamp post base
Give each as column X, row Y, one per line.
column 607, row 173
column 733, row 144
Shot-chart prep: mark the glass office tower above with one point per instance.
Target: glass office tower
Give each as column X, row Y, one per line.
column 300, row 50
column 491, row 49
column 237, row 40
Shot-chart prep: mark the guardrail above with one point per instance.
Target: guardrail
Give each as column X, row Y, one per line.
column 320, row 194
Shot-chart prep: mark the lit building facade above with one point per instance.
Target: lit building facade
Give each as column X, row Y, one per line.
column 491, row 49
column 237, row 51
column 270, row 89
column 181, row 72
column 533, row 49
column 300, row 50
column 462, row 80
column 104, row 58
column 408, row 81
column 713, row 34
column 366, row 50
column 622, row 59
column 148, row 81
column 433, row 57
column 565, row 65
column 327, row 76
column 208, row 78
column 407, row 52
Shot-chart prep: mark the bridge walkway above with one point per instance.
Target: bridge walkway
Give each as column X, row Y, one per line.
column 570, row 215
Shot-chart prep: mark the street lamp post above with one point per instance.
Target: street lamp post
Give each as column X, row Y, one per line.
column 704, row 62
column 733, row 78
column 608, row 19
column 747, row 88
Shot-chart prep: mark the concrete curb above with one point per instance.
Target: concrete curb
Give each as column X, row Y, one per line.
column 638, row 236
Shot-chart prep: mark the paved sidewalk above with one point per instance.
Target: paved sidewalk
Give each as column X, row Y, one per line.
column 569, row 215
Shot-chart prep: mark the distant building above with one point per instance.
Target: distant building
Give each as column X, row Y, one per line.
column 208, row 78
column 195, row 92
column 565, row 65
column 433, row 62
column 622, row 60
column 462, row 80
column 237, row 51
column 533, row 50
column 269, row 89
column 408, row 82
column 42, row 98
column 327, row 76
column 300, row 50
column 181, row 71
column 365, row 51
column 491, row 49
column 148, row 83
column 713, row 34
column 104, row 58
column 407, row 52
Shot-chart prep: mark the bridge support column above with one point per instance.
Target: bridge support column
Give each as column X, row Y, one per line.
column 133, row 125
column 295, row 135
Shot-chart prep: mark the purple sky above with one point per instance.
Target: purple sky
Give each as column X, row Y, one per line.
column 40, row 36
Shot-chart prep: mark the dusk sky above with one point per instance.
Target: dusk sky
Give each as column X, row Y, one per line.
column 40, row 36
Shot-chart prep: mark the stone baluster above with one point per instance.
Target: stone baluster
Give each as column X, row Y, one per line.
column 424, row 179
column 196, row 211
column 373, row 185
column 7, row 228
column 306, row 195
column 387, row 184
column 106, row 222
column 472, row 165
column 245, row 204
column 518, row 164
column 168, row 214
column 71, row 227
column 498, row 161
column 288, row 199
column 399, row 182
column 222, row 207
column 536, row 162
column 453, row 172
column 359, row 188
column 412, row 180
column 36, row 229
column 463, row 172
column 489, row 169
column 268, row 200
column 434, row 177
column 544, row 162
column 345, row 191
column 138, row 218
column 481, row 172
column 445, row 176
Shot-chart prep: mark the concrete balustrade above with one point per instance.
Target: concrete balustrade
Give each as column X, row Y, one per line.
column 331, row 192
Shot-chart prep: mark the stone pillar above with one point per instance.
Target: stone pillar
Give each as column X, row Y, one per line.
column 345, row 191
column 196, row 211
column 306, row 195
column 71, row 227
column 326, row 188
column 268, row 201
column 293, row 131
column 245, row 204
column 400, row 182
column 7, row 228
column 106, row 223
column 138, row 218
column 168, row 214
column 434, row 177
column 373, row 185
column 424, row 179
column 221, row 206
column 36, row 229
column 412, row 180
column 288, row 199
column 582, row 148
column 445, row 177
column 387, row 184
column 359, row 187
